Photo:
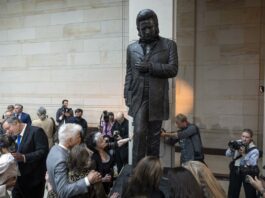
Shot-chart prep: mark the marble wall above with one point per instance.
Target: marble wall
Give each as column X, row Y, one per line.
column 74, row 49
column 222, row 59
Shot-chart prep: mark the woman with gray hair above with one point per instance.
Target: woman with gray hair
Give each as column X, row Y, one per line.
column 104, row 162
column 47, row 124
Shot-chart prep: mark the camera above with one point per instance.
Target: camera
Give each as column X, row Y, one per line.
column 236, row 145
column 66, row 110
column 116, row 134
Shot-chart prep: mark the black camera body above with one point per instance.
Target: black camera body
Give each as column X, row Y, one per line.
column 66, row 110
column 236, row 145
column 116, row 134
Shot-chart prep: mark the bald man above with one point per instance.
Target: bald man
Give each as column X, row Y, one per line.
column 120, row 131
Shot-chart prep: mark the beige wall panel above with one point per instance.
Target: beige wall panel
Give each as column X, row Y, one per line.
column 74, row 49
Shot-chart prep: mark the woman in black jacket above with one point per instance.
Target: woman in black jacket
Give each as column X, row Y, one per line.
column 104, row 162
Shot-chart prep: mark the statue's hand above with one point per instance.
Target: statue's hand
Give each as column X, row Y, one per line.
column 143, row 67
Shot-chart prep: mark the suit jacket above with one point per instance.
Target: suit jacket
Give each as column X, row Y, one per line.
column 34, row 145
column 25, row 118
column 164, row 65
column 58, row 174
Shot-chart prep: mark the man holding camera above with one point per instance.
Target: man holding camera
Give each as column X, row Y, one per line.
column 189, row 139
column 244, row 164
column 64, row 113
column 120, row 131
column 106, row 125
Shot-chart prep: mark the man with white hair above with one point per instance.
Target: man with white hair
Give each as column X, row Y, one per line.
column 69, row 136
column 120, row 131
column 46, row 123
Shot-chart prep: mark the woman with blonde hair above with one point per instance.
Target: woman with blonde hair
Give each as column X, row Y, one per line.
column 210, row 186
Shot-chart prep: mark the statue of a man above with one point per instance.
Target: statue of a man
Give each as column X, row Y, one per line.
column 150, row 62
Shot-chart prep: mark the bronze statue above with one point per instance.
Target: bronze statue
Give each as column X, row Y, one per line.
column 150, row 62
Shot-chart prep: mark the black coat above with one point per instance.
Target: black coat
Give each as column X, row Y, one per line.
column 123, row 129
column 164, row 60
column 34, row 145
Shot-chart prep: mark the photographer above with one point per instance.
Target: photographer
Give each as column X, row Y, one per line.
column 64, row 113
column 120, row 131
column 106, row 125
column 189, row 139
column 245, row 156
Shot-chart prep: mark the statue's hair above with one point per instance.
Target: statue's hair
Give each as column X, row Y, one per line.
column 145, row 15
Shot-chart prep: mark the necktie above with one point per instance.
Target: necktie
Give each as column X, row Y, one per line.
column 18, row 139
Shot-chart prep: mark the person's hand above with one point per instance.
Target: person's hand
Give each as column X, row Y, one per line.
column 10, row 182
column 256, row 183
column 18, row 156
column 163, row 133
column 143, row 67
column 94, row 177
column 67, row 114
column 242, row 150
column 119, row 137
column 107, row 178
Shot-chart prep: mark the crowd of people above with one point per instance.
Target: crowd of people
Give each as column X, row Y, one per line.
column 72, row 162
column 26, row 145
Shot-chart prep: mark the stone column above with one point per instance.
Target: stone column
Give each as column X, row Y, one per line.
column 164, row 11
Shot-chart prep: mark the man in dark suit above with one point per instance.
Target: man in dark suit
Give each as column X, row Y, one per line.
column 32, row 150
column 150, row 62
column 78, row 119
column 23, row 117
